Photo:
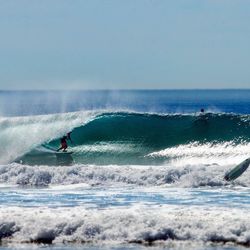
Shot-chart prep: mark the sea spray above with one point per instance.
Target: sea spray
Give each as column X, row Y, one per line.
column 19, row 135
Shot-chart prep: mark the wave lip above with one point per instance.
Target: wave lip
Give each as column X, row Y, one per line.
column 130, row 225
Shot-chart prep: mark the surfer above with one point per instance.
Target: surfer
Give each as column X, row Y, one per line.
column 64, row 143
column 202, row 114
column 202, row 117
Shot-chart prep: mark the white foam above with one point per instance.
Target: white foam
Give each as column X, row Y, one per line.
column 181, row 176
column 209, row 153
column 138, row 224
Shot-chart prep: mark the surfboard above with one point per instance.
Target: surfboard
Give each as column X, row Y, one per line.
column 237, row 171
column 63, row 152
column 54, row 151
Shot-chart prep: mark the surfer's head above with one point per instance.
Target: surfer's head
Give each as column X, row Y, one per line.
column 202, row 110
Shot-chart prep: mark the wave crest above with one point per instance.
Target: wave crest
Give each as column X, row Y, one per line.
column 123, row 138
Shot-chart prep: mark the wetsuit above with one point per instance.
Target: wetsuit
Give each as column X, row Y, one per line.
column 64, row 144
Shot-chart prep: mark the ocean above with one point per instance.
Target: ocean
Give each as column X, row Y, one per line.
column 146, row 170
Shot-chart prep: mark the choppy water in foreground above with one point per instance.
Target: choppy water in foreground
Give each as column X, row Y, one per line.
column 146, row 171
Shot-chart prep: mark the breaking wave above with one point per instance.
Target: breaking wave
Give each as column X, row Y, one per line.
column 103, row 138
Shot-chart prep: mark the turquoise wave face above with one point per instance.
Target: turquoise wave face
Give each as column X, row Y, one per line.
column 157, row 131
column 132, row 138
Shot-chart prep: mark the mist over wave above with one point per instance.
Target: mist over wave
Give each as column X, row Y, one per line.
column 19, row 135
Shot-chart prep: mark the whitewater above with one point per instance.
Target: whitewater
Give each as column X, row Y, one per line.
column 146, row 170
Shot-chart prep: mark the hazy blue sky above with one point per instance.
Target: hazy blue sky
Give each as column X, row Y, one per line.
column 89, row 44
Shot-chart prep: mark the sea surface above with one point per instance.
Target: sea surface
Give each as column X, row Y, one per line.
column 146, row 170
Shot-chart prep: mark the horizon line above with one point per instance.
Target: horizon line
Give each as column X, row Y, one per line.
column 122, row 89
